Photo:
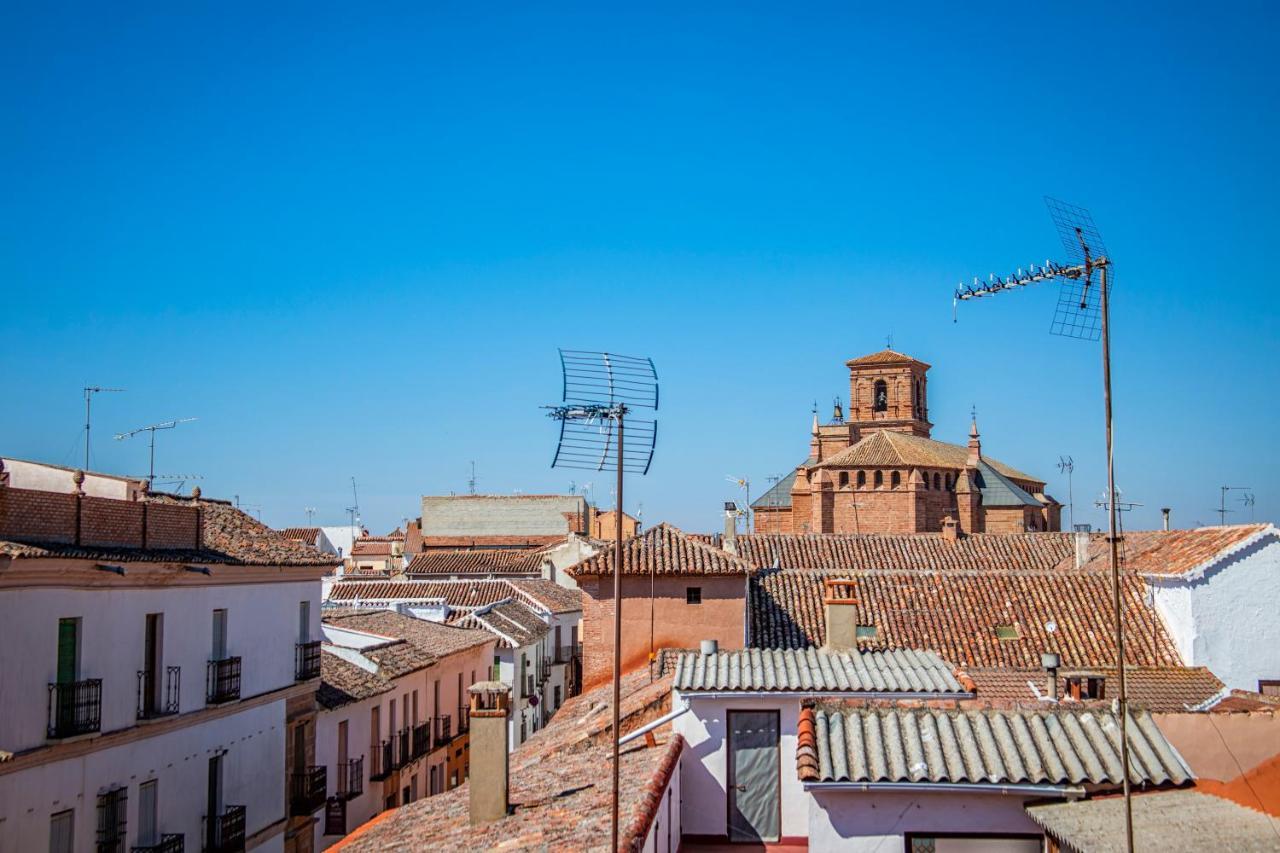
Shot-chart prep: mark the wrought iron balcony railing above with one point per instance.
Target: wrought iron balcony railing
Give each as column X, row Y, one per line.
column 159, row 697
column 224, row 833
column 223, row 680
column 75, row 708
column 307, row 660
column 464, row 719
column 380, row 761
column 443, row 729
column 350, row 781
column 168, row 843
column 421, row 740
column 308, row 789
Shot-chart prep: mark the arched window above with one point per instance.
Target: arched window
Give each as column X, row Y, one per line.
column 895, row 480
column 862, row 479
column 879, row 479
column 925, row 477
column 937, row 480
column 949, row 482
column 844, row 479
column 880, row 396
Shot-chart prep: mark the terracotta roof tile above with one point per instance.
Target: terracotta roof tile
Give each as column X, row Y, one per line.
column 342, row 682
column 884, row 356
column 887, row 448
column 455, row 593
column 1163, row 688
column 664, row 550
column 915, row 551
column 302, row 534
column 1176, row 552
column 493, row 561
column 430, row 637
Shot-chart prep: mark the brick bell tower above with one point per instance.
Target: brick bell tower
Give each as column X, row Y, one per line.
column 888, row 390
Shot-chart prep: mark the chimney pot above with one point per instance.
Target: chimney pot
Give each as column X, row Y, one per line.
column 1050, row 661
column 710, row 647
column 1164, row 511
column 841, row 606
column 950, row 529
column 730, row 541
column 490, row 738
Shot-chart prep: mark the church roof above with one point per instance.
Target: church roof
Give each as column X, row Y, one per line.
column 883, row 447
column 885, row 356
column 999, row 490
column 779, row 494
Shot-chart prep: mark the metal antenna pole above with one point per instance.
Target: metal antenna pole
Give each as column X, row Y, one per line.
column 89, row 391
column 1112, row 509
column 617, row 629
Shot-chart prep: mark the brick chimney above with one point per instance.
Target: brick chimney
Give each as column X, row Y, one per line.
column 730, row 541
column 841, row 607
column 490, row 739
column 950, row 529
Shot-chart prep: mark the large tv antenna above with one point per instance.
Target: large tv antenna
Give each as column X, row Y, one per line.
column 1083, row 311
column 599, row 390
column 1067, row 466
column 743, row 483
column 89, row 391
column 1222, row 501
column 153, row 428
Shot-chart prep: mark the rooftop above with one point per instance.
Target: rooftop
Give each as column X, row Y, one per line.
column 815, row 670
column 664, row 550
column 493, row 561
column 884, row 356
column 461, row 593
column 881, row 448
column 430, row 637
column 1153, row 688
column 513, row 622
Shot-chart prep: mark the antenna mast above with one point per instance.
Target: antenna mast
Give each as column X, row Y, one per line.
column 1083, row 312
column 1068, row 466
column 89, row 391
column 599, row 389
column 471, row 484
column 151, row 476
column 354, row 509
column 1222, row 501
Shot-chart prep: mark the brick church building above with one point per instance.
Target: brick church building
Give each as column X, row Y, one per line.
column 878, row 471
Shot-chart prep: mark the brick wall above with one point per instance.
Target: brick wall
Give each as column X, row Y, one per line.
column 68, row 519
column 676, row 623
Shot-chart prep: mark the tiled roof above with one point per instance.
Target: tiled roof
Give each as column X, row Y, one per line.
column 955, row 613
column 1246, row 701
column 513, row 622
column 371, row 548
column 1153, row 688
column 342, row 682
column 1162, row 820
column 302, row 534
column 917, row 551
column 664, row 550
column 980, row 746
column 549, row 594
column 399, row 658
column 560, row 799
column 884, row 356
column 430, row 637
column 494, row 561
column 815, row 670
column 1177, row 552
column 461, row 593
column 779, row 494
column 887, row 448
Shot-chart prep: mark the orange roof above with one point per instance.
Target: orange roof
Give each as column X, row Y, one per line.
column 884, row 447
column 885, row 356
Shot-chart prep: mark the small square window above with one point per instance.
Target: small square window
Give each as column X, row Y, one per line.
column 866, row 632
column 1008, row 632
column 693, row 595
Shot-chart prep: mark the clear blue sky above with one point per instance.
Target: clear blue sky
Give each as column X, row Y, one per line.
column 349, row 241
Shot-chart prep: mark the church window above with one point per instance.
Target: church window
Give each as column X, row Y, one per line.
column 880, row 397
column 844, row 479
column 937, row 480
column 925, row 477
column 879, row 479
column 862, row 479
column 949, row 483
column 895, row 480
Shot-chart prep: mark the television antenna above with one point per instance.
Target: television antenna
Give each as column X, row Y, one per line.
column 1084, row 312
column 153, row 428
column 179, row 480
column 89, row 391
column 1222, row 501
column 1067, row 466
column 598, row 391
column 354, row 509
column 1248, row 500
column 471, row 483
column 743, row 483
column 310, row 512
column 255, row 508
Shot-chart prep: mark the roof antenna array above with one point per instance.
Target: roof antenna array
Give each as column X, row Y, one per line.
column 599, row 389
column 1083, row 312
column 151, row 476
column 1222, row 502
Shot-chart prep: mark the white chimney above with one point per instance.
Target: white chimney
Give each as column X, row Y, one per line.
column 1082, row 544
column 730, row 542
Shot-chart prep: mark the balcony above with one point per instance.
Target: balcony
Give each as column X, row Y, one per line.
column 169, row 843
column 380, row 761
column 421, row 740
column 565, row 654
column 75, row 708
column 222, row 683
column 350, row 781
column 464, row 719
column 307, row 660
column 156, row 697
column 403, row 747
column 225, row 833
column 443, row 730
column 307, row 790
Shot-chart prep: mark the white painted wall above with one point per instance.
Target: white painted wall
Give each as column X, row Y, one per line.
column 253, row 769
column 40, row 477
column 664, row 834
column 878, row 821
column 262, row 629
column 1225, row 617
column 704, row 764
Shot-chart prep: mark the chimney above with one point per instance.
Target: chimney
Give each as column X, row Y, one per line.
column 1050, row 662
column 490, row 739
column 1082, row 544
column 710, row 647
column 1164, row 511
column 730, row 542
column 950, row 529
column 841, row 607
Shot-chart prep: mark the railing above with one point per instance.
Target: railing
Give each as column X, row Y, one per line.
column 308, row 789
column 113, row 808
column 421, row 740
column 151, row 702
column 443, row 726
column 379, row 761
column 225, row 832
column 403, row 747
column 545, row 673
column 168, row 843
column 350, row 781
column 464, row 719
column 565, row 654
column 75, row 708
column 223, row 680
column 307, row 660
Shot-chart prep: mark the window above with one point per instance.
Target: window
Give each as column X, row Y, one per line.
column 865, row 632
column 219, row 650
column 844, row 479
column 925, row 478
column 61, row 832
column 937, row 480
column 1086, row 686
column 950, row 482
column 693, row 595
column 148, row 826
column 375, row 727
column 880, row 396
column 879, row 479
column 1269, row 687
column 68, row 651
column 556, row 703
column 895, row 480
column 304, row 621
column 862, row 479
column 111, row 820
column 1008, row 632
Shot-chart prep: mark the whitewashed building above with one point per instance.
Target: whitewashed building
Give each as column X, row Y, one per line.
column 157, row 677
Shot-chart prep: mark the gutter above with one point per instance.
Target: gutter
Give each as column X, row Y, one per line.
column 782, row 693
column 645, row 729
column 1071, row 792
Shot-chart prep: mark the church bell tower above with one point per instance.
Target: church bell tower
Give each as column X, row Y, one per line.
column 888, row 390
